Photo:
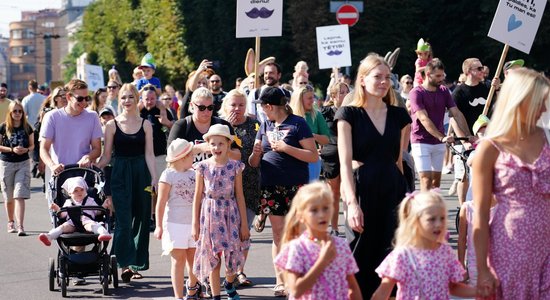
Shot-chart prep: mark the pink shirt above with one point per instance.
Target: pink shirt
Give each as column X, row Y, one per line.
column 300, row 254
column 435, row 268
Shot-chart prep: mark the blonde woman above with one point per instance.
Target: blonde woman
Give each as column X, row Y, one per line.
column 370, row 132
column 301, row 103
column 513, row 165
column 17, row 140
column 131, row 139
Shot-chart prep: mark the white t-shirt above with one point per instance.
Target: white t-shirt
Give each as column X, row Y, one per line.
column 179, row 207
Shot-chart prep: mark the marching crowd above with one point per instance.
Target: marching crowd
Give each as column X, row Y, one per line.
column 201, row 167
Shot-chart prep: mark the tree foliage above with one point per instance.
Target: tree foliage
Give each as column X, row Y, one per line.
column 180, row 33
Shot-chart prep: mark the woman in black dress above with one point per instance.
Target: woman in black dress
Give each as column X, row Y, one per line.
column 370, row 133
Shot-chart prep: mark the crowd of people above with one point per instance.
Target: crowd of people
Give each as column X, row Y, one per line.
column 202, row 167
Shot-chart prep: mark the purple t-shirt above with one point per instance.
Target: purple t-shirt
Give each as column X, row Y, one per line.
column 71, row 135
column 435, row 104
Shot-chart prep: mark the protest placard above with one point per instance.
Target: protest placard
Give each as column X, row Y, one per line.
column 333, row 47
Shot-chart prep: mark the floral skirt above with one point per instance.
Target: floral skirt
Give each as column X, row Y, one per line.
column 276, row 199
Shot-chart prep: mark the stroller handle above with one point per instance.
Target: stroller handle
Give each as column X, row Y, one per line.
column 76, row 166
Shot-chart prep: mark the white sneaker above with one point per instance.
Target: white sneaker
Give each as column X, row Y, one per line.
column 79, row 280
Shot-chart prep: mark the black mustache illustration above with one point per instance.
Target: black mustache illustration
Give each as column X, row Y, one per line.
column 263, row 13
column 334, row 52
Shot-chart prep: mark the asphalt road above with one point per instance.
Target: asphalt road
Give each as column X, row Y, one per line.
column 24, row 261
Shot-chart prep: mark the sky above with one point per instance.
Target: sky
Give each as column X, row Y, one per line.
column 10, row 11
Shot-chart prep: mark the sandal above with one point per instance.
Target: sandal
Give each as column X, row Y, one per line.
column 259, row 223
column 243, row 280
column 195, row 288
column 136, row 275
column 231, row 291
column 126, row 275
column 279, row 290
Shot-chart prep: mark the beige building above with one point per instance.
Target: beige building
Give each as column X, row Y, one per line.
column 39, row 43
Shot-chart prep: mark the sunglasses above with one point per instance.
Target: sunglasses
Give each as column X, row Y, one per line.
column 204, row 107
column 409, row 82
column 166, row 98
column 112, row 87
column 17, row 111
column 480, row 68
column 302, row 83
column 82, row 98
column 150, row 88
column 214, row 81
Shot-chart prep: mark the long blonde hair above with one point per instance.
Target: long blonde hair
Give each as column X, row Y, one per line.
column 317, row 191
column 10, row 121
column 368, row 64
column 297, row 101
column 520, row 85
column 410, row 211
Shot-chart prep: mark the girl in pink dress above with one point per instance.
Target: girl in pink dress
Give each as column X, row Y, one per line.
column 316, row 265
column 513, row 164
column 422, row 264
column 219, row 214
column 424, row 56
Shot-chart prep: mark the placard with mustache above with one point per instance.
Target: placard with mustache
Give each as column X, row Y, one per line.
column 263, row 13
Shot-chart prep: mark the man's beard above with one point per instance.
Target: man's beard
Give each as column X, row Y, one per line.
column 273, row 81
column 2, row 96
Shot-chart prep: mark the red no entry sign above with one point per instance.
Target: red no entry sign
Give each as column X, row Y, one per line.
column 347, row 14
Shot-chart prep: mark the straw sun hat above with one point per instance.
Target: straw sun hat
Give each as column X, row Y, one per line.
column 218, row 129
column 178, row 148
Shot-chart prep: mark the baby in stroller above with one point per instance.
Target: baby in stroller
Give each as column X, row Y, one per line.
column 77, row 189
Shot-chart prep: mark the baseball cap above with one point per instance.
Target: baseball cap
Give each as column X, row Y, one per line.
column 148, row 61
column 510, row 64
column 273, row 95
column 106, row 110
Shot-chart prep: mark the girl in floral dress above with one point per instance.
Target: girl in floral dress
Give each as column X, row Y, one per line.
column 219, row 214
column 422, row 264
column 316, row 265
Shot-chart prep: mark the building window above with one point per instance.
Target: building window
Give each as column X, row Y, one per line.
column 28, row 34
column 17, row 34
column 17, row 51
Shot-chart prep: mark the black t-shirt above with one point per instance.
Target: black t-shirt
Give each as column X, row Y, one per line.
column 278, row 168
column 218, row 100
column 159, row 134
column 470, row 100
column 19, row 137
column 330, row 149
column 185, row 129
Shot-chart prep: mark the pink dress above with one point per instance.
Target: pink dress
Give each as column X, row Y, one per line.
column 300, row 254
column 220, row 221
column 418, row 75
column 435, row 268
column 519, row 248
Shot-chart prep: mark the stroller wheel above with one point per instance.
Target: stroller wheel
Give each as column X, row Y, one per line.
column 114, row 271
column 51, row 274
column 105, row 271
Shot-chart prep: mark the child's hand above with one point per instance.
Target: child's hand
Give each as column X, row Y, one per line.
column 107, row 203
column 245, row 233
column 257, row 149
column 158, row 232
column 328, row 252
column 54, row 207
column 195, row 232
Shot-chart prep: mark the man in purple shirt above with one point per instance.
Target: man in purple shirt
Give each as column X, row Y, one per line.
column 428, row 104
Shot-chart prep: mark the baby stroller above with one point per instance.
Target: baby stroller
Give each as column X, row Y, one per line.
column 74, row 258
column 461, row 166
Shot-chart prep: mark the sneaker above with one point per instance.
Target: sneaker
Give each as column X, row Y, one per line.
column 446, row 170
column 45, row 239
column 11, row 227
column 452, row 189
column 21, row 231
column 79, row 280
column 104, row 237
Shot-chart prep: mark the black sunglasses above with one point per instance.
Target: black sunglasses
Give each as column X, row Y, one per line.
column 17, row 111
column 409, row 82
column 480, row 68
column 214, row 81
column 150, row 88
column 112, row 87
column 166, row 98
column 82, row 98
column 204, row 107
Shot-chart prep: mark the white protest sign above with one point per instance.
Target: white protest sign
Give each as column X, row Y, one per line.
column 93, row 76
column 333, row 47
column 257, row 18
column 516, row 22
